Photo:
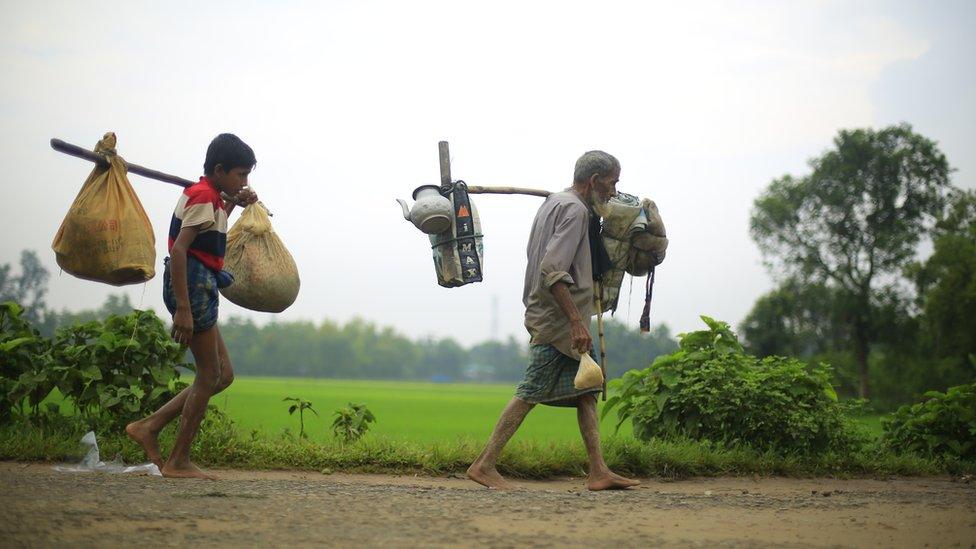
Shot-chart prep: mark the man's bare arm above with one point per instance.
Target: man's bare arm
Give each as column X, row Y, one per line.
column 580, row 333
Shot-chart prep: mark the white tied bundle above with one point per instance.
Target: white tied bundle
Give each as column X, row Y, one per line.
column 265, row 274
column 589, row 375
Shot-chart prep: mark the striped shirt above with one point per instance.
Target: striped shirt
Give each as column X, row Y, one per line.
column 200, row 206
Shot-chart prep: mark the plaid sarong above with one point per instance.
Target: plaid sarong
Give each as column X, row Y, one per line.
column 549, row 378
column 201, row 284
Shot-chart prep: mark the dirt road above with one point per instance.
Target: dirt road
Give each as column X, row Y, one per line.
column 41, row 507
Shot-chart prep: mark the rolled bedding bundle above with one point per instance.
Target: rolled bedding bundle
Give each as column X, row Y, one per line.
column 635, row 238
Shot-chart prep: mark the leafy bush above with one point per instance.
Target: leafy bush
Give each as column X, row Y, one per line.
column 943, row 424
column 352, row 422
column 710, row 389
column 117, row 370
column 24, row 357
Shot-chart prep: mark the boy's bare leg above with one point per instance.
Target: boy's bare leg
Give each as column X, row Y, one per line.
column 600, row 476
column 146, row 431
column 204, row 347
column 483, row 469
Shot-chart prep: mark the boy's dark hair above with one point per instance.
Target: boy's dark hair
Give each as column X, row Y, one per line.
column 230, row 152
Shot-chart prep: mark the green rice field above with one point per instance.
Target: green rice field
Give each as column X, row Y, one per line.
column 415, row 411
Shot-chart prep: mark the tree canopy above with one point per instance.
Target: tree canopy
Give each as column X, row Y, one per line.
column 854, row 223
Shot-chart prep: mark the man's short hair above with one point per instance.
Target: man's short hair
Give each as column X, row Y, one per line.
column 230, row 152
column 595, row 162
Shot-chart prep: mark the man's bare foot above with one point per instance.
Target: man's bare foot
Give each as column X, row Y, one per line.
column 138, row 432
column 489, row 478
column 610, row 481
column 185, row 471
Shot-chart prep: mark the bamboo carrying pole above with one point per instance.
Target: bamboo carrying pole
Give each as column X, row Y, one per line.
column 91, row 156
column 599, row 330
column 445, row 160
column 477, row 189
column 444, row 155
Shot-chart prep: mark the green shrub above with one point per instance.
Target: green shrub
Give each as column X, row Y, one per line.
column 942, row 424
column 352, row 422
column 117, row 370
column 24, row 358
column 710, row 389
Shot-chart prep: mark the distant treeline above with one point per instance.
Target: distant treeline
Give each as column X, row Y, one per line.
column 357, row 349
column 363, row 350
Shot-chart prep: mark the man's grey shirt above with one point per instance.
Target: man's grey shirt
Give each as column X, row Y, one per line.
column 558, row 250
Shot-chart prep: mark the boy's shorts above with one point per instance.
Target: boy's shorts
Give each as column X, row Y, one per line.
column 549, row 378
column 201, row 284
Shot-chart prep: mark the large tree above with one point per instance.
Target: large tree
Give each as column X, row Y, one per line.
column 854, row 222
column 29, row 288
column 946, row 284
column 795, row 319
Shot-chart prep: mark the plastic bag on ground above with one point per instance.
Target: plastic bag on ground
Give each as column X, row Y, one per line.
column 265, row 274
column 92, row 462
column 106, row 235
column 589, row 375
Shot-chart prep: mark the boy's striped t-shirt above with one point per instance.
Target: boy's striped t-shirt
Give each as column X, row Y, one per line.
column 200, row 206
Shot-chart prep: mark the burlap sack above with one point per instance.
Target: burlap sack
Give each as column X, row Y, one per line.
column 589, row 375
column 106, row 235
column 265, row 274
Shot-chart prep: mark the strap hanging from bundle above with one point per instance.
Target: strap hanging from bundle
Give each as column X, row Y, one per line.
column 645, row 319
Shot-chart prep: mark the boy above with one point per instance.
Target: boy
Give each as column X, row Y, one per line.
column 197, row 239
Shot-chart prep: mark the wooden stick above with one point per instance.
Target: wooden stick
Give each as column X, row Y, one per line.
column 91, row 156
column 599, row 329
column 445, row 161
column 477, row 189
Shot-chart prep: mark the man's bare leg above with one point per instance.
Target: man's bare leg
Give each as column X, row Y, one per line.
column 483, row 469
column 600, row 476
column 146, row 431
column 203, row 345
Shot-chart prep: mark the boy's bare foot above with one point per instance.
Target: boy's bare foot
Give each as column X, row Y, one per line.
column 185, row 471
column 610, row 481
column 489, row 478
column 138, row 432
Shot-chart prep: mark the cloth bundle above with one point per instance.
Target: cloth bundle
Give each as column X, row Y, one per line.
column 636, row 241
column 265, row 274
column 106, row 235
column 458, row 252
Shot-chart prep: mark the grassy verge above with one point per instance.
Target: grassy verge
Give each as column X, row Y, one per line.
column 221, row 445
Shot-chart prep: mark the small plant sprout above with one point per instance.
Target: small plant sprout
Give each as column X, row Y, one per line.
column 352, row 422
column 301, row 405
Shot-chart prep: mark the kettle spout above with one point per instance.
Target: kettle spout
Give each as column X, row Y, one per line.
column 406, row 211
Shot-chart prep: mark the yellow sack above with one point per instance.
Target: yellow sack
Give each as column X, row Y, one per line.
column 106, row 235
column 265, row 274
column 589, row 375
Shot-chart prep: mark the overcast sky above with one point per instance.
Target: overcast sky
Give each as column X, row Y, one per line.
column 704, row 103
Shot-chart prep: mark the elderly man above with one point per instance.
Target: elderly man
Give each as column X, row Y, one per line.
column 558, row 299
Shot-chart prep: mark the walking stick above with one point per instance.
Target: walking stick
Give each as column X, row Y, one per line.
column 599, row 330
column 91, row 156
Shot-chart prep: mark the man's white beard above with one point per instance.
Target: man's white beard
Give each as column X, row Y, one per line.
column 601, row 208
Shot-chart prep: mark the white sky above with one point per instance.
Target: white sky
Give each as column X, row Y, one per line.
column 344, row 103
